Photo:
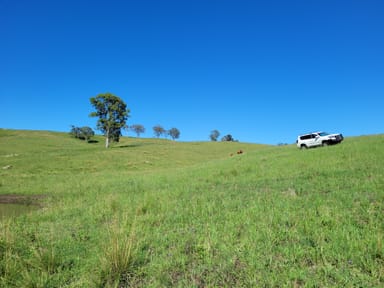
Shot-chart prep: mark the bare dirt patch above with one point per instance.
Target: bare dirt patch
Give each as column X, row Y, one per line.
column 21, row 199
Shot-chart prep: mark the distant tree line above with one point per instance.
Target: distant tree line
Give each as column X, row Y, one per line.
column 159, row 131
column 112, row 113
column 214, row 135
column 85, row 133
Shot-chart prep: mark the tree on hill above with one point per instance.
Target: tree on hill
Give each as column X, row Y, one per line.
column 137, row 128
column 75, row 132
column 83, row 133
column 228, row 138
column 159, row 131
column 174, row 133
column 214, row 135
column 113, row 114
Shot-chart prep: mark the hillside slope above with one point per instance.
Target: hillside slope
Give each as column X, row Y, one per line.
column 132, row 154
column 155, row 213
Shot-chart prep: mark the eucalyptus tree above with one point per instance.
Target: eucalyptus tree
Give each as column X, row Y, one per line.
column 214, row 135
column 112, row 113
column 174, row 133
column 158, row 130
column 138, row 129
column 83, row 133
column 228, row 138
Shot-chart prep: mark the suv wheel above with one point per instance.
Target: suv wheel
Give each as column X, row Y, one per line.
column 325, row 143
column 303, row 146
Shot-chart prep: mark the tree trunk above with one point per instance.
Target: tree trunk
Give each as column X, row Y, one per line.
column 107, row 140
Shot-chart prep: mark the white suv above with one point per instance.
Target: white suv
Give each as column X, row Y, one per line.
column 318, row 139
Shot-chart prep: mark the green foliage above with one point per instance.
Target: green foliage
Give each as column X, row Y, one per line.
column 112, row 113
column 228, row 138
column 174, row 133
column 158, row 131
column 83, row 133
column 273, row 216
column 214, row 135
column 138, row 129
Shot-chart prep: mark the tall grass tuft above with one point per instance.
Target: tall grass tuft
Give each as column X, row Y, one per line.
column 8, row 259
column 118, row 259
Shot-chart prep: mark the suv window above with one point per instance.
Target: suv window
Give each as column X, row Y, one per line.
column 305, row 137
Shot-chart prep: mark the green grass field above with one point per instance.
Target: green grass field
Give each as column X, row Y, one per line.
column 159, row 213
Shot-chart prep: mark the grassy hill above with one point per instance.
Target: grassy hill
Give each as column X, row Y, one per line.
column 159, row 213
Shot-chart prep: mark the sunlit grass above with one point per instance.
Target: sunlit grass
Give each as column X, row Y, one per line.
column 157, row 213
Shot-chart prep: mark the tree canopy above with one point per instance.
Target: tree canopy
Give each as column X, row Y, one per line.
column 138, row 129
column 228, row 138
column 112, row 113
column 158, row 130
column 83, row 133
column 214, row 135
column 174, row 133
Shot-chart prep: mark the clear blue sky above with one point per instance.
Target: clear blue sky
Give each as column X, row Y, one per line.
column 262, row 71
